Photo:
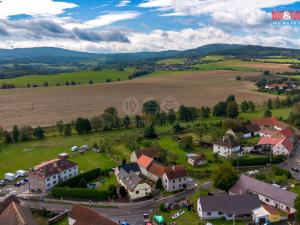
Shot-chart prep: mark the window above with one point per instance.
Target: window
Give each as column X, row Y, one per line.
column 180, row 185
column 48, row 179
column 173, row 187
column 173, row 181
column 137, row 192
column 220, row 213
column 267, row 200
column 166, row 181
column 208, row 213
column 179, row 180
column 288, row 209
column 229, row 215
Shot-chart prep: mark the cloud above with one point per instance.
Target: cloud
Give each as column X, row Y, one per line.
column 38, row 29
column 3, row 31
column 33, row 7
column 123, row 3
column 157, row 40
column 112, row 36
column 241, row 12
column 108, row 19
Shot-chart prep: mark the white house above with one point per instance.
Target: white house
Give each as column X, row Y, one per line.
column 279, row 146
column 267, row 193
column 136, row 187
column 227, row 147
column 174, row 178
column 48, row 174
column 228, row 207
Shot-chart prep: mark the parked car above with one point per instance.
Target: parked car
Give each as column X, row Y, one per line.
column 22, row 182
column 75, row 149
column 10, row 176
column 21, row 173
column 295, row 170
column 18, row 184
column 91, row 186
column 2, row 183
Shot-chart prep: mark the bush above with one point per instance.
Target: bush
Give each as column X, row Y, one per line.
column 81, row 193
column 257, row 161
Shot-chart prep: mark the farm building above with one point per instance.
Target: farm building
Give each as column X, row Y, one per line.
column 268, row 194
column 227, row 147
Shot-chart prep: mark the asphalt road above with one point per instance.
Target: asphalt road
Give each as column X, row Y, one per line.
column 293, row 161
column 132, row 213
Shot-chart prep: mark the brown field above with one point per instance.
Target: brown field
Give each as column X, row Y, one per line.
column 45, row 106
column 274, row 67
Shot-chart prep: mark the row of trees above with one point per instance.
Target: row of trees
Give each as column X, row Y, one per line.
column 230, row 108
column 25, row 133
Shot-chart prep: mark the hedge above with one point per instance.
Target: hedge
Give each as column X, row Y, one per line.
column 69, row 188
column 259, row 161
column 80, row 193
column 88, row 176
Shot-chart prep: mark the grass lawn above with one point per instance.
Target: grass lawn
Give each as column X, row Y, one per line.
column 237, row 65
column 284, row 113
column 279, row 60
column 79, row 77
column 214, row 58
column 63, row 222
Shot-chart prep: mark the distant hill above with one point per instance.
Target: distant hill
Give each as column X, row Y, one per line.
column 47, row 60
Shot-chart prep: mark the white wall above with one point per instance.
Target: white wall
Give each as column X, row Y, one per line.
column 175, row 184
column 280, row 150
column 224, row 151
column 141, row 191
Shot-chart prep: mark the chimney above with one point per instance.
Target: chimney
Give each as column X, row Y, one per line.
column 63, row 156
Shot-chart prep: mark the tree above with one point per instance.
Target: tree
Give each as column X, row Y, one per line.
column 46, row 84
column 60, row 126
column 205, row 112
column 122, row 191
column 187, row 143
column 126, row 122
column 151, row 107
column 297, row 207
column 149, row 132
column 82, row 125
column 7, row 137
column 138, row 121
column 177, row 129
column 108, row 121
column 159, row 184
column 276, row 103
column 26, row 133
column 112, row 191
column 68, row 130
column 224, row 176
column 269, row 104
column 39, row 133
column 238, row 77
column 244, row 106
column 15, row 133
column 82, row 183
column 230, row 98
column 171, row 116
column 268, row 113
column 251, row 106
column 112, row 111
column 232, row 110
column 96, row 123
column 220, row 109
column 124, row 162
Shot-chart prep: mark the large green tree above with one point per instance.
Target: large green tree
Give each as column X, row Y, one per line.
column 232, row 110
column 224, row 176
column 151, row 107
column 15, row 133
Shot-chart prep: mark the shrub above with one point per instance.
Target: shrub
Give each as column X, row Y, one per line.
column 81, row 193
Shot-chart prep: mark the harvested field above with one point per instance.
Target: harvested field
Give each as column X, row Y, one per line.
column 45, row 106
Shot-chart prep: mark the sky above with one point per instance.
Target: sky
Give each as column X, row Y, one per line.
column 143, row 25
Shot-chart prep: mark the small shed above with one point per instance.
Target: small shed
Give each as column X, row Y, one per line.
column 260, row 215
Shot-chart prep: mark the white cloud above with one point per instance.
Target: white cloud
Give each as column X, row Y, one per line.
column 108, row 19
column 123, row 3
column 159, row 40
column 243, row 12
column 33, row 7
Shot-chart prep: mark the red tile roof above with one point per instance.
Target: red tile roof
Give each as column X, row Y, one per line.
column 287, row 144
column 144, row 161
column 49, row 168
column 156, row 169
column 270, row 141
column 15, row 214
column 270, row 121
column 85, row 216
column 174, row 172
column 288, row 133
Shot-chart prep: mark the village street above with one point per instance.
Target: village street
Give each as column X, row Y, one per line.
column 293, row 162
column 131, row 212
